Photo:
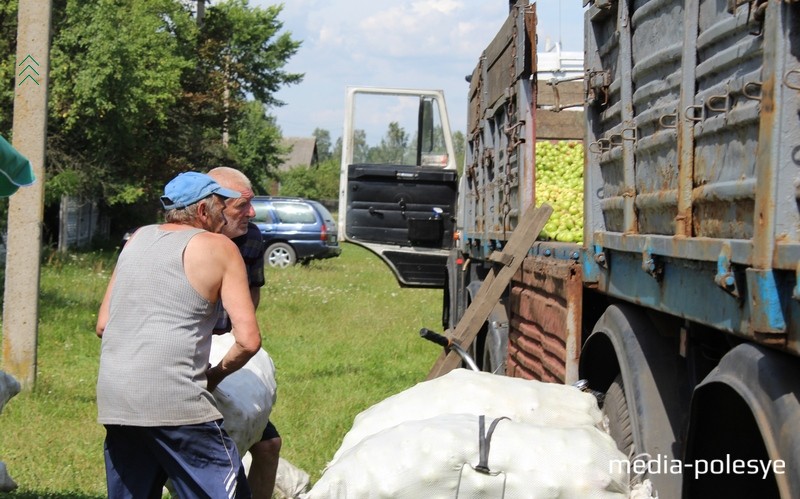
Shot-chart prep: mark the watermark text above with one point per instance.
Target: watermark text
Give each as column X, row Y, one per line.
column 660, row 464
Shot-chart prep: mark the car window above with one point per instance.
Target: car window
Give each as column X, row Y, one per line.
column 294, row 213
column 262, row 213
column 326, row 215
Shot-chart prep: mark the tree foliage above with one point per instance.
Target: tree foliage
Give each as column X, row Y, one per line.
column 320, row 182
column 116, row 69
column 140, row 90
column 323, row 143
column 257, row 145
column 243, row 47
column 392, row 148
column 8, row 49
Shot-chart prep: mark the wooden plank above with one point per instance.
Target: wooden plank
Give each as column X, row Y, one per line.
column 493, row 286
column 501, row 258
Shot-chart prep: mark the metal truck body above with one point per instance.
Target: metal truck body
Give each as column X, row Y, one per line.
column 682, row 303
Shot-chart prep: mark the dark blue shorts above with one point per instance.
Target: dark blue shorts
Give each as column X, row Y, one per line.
column 270, row 432
column 201, row 461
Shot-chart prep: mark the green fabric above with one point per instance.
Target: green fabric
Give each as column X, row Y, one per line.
column 15, row 169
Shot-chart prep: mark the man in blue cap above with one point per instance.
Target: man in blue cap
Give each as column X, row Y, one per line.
column 154, row 383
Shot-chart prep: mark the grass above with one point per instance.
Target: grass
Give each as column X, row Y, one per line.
column 342, row 334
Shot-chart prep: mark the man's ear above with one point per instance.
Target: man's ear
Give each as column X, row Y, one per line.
column 202, row 210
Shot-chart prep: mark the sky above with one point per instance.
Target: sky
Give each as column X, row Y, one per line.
column 430, row 44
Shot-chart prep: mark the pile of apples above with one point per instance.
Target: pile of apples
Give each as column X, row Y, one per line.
column 559, row 183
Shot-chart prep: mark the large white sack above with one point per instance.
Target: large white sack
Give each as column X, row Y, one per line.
column 7, row 484
column 435, row 458
column 245, row 398
column 290, row 481
column 9, row 387
column 464, row 391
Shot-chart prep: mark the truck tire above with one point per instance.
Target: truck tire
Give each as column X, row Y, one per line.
column 280, row 255
column 746, row 410
column 625, row 349
column 615, row 407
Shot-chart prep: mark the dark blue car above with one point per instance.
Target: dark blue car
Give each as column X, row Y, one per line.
column 295, row 230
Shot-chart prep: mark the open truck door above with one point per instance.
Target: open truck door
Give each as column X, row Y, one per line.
column 398, row 181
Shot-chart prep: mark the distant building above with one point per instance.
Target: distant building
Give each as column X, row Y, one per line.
column 303, row 152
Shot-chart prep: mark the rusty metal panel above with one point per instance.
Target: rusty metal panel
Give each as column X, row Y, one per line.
column 605, row 114
column 726, row 126
column 714, row 130
column 499, row 61
column 545, row 320
column 729, row 79
column 499, row 111
column 474, row 100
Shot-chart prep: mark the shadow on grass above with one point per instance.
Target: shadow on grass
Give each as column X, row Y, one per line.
column 29, row 494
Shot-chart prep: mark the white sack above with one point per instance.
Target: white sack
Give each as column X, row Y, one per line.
column 9, row 387
column 245, row 398
column 291, row 482
column 6, row 483
column 434, row 458
column 464, row 391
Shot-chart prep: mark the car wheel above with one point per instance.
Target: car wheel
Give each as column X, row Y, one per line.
column 281, row 255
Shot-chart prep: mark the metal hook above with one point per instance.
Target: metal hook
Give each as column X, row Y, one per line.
column 673, row 123
column 695, row 107
column 600, row 146
column 724, row 97
column 755, row 85
column 786, row 79
column 634, row 135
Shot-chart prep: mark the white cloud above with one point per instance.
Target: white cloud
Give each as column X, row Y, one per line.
column 404, row 43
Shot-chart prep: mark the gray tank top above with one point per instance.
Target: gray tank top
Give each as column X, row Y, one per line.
column 157, row 341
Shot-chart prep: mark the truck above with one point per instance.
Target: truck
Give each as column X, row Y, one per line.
column 680, row 306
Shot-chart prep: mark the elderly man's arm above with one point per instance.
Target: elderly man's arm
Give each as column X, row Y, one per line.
column 102, row 314
column 236, row 295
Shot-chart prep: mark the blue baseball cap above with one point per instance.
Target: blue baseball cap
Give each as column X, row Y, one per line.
column 190, row 187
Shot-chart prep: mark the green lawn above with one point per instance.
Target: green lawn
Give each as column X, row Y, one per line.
column 342, row 334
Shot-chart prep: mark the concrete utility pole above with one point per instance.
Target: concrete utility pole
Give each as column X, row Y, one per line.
column 26, row 206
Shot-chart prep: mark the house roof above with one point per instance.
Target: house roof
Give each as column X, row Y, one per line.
column 303, row 152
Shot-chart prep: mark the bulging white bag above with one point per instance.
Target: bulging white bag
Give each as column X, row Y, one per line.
column 463, row 391
column 245, row 398
column 437, row 458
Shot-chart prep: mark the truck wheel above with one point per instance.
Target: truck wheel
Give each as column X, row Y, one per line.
column 280, row 255
column 615, row 407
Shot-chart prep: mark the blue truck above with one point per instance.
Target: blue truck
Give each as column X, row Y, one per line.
column 682, row 303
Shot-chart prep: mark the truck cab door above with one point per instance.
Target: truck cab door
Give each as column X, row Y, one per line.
column 398, row 181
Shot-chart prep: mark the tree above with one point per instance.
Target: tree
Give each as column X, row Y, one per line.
column 323, row 143
column 116, row 74
column 8, row 49
column 137, row 93
column 239, row 57
column 321, row 182
column 459, row 143
column 360, row 147
column 393, row 147
column 256, row 145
